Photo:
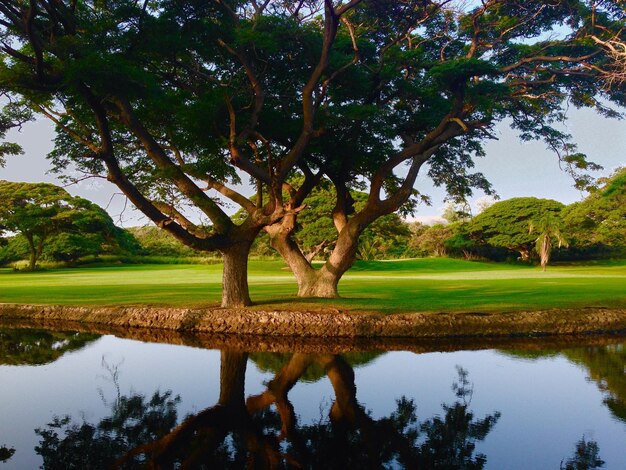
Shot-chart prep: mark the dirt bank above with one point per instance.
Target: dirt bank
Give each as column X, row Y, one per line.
column 328, row 323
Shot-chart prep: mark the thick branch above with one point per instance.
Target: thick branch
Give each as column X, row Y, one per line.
column 117, row 176
column 221, row 221
column 32, row 37
column 450, row 126
column 236, row 157
column 331, row 24
column 176, row 215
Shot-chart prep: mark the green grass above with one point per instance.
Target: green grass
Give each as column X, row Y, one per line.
column 428, row 285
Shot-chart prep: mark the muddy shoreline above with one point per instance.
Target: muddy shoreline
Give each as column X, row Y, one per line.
column 325, row 323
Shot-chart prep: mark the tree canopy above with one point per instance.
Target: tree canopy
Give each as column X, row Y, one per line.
column 600, row 219
column 175, row 101
column 507, row 224
column 41, row 211
column 437, row 80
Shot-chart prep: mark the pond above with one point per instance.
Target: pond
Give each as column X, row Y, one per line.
column 84, row 400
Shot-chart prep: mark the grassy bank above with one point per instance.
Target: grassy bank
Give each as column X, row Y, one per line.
column 425, row 285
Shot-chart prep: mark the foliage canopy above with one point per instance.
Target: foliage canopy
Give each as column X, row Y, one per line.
column 507, row 224
column 40, row 211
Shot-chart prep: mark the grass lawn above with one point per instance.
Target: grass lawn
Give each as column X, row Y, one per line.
column 429, row 285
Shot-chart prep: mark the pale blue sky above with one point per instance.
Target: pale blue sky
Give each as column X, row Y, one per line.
column 515, row 168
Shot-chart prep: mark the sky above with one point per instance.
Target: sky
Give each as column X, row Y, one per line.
column 514, row 168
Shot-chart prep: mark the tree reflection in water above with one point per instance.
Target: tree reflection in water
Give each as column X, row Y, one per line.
column 586, row 457
column 6, row 453
column 605, row 365
column 262, row 431
column 38, row 347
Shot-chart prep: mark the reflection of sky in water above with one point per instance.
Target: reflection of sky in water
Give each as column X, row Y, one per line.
column 547, row 405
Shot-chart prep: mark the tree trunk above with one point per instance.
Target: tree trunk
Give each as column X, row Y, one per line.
column 311, row 282
column 345, row 408
column 235, row 291
column 524, row 254
column 232, row 379
column 545, row 250
column 32, row 263
column 321, row 282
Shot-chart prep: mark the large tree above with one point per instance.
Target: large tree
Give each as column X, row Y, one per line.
column 428, row 88
column 40, row 211
column 599, row 221
column 511, row 224
column 169, row 100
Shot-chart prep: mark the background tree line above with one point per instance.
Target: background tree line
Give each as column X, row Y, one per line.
column 522, row 227
column 512, row 229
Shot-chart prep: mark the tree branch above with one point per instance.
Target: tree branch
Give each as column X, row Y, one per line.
column 221, row 221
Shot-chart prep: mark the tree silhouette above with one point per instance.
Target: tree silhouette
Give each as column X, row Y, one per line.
column 6, row 453
column 35, row 347
column 586, row 457
column 262, row 431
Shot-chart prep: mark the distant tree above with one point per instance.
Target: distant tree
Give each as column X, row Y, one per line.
column 506, row 224
column 39, row 211
column 457, row 212
column 459, row 243
column 432, row 240
column 599, row 221
column 12, row 249
column 153, row 241
column 71, row 246
column 549, row 229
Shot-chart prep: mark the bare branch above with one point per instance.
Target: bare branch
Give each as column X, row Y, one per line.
column 616, row 49
column 545, row 58
column 173, row 213
column 73, row 134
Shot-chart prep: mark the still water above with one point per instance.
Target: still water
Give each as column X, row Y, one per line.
column 82, row 400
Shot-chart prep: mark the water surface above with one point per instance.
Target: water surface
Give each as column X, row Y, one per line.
column 82, row 400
